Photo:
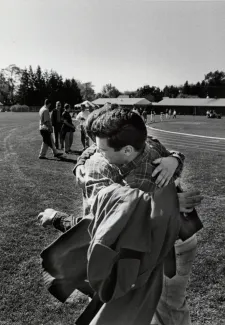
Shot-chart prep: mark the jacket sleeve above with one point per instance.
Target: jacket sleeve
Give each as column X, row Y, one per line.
column 166, row 153
column 85, row 155
column 63, row 222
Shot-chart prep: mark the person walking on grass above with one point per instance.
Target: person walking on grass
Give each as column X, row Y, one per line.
column 67, row 129
column 56, row 119
column 45, row 127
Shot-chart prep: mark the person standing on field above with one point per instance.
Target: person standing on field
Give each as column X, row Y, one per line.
column 45, row 127
column 144, row 115
column 81, row 118
column 167, row 114
column 56, row 119
column 67, row 129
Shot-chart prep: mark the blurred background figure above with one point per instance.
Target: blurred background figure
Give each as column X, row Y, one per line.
column 56, row 119
column 174, row 114
column 167, row 115
column 144, row 115
column 67, row 129
column 152, row 116
column 81, row 118
column 45, row 127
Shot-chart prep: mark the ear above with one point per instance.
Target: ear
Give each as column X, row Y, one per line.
column 128, row 150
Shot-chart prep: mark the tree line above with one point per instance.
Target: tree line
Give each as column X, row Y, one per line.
column 28, row 86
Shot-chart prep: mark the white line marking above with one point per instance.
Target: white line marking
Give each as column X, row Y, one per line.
column 204, row 149
column 174, row 139
column 192, row 141
column 187, row 134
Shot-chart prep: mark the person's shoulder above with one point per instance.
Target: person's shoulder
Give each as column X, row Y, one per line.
column 101, row 164
column 152, row 141
column 151, row 150
column 99, row 160
column 42, row 109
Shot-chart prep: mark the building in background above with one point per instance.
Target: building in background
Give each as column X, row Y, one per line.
column 191, row 106
column 140, row 103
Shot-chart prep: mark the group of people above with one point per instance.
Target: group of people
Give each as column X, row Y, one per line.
column 137, row 260
column 169, row 114
column 57, row 128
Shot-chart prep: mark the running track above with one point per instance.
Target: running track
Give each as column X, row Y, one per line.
column 179, row 141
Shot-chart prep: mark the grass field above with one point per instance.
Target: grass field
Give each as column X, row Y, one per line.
column 29, row 185
column 200, row 125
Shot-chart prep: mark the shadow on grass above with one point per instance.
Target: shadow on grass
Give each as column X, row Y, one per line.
column 63, row 159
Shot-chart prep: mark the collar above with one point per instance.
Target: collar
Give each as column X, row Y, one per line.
column 126, row 168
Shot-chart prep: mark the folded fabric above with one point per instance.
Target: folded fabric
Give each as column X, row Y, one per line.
column 131, row 235
column 64, row 262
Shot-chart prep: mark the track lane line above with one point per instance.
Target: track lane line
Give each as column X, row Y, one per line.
column 185, row 134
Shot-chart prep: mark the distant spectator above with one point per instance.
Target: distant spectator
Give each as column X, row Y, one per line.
column 167, row 115
column 45, row 127
column 161, row 116
column 174, row 114
column 56, row 119
column 170, row 113
column 67, row 129
column 135, row 110
column 81, row 118
column 152, row 116
column 144, row 115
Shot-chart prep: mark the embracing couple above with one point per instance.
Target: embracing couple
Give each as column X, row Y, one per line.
column 138, row 261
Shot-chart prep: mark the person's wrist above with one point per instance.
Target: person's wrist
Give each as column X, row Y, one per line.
column 54, row 217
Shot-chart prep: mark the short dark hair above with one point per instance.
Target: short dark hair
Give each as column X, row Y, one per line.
column 66, row 106
column 47, row 102
column 121, row 127
column 95, row 114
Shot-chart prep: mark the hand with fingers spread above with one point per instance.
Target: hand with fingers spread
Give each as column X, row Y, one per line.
column 46, row 217
column 80, row 174
column 189, row 200
column 165, row 170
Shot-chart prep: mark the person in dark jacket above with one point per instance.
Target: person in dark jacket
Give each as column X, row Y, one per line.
column 56, row 119
column 67, row 129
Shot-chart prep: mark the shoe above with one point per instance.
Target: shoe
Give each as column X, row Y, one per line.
column 42, row 157
column 59, row 154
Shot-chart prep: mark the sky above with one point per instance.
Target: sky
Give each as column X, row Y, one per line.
column 128, row 43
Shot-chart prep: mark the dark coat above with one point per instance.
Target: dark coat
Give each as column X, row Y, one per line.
column 122, row 258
